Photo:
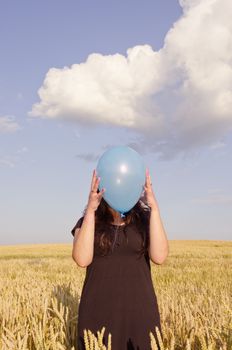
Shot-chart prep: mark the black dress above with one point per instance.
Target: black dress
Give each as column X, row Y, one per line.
column 118, row 293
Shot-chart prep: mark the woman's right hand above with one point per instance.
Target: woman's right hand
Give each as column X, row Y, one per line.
column 94, row 197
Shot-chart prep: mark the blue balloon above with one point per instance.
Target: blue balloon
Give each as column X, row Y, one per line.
column 122, row 172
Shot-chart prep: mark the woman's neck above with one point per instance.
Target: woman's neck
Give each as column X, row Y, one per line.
column 117, row 217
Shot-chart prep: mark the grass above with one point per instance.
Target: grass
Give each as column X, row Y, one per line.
column 40, row 287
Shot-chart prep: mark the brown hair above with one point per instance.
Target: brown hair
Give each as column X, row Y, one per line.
column 138, row 215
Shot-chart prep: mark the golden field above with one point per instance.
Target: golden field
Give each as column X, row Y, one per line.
column 40, row 287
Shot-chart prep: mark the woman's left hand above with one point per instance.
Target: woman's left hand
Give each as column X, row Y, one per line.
column 148, row 193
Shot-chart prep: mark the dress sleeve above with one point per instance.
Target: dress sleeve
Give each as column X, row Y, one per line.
column 78, row 224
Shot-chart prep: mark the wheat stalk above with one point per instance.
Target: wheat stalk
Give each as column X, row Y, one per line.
column 40, row 294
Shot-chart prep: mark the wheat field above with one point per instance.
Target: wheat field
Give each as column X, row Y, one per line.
column 40, row 287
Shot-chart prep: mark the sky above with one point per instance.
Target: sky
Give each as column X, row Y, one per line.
column 79, row 77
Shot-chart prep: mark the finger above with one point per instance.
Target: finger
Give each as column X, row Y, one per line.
column 102, row 191
column 96, row 184
column 100, row 194
column 147, row 182
column 93, row 179
column 148, row 188
column 147, row 172
column 147, row 175
column 148, row 178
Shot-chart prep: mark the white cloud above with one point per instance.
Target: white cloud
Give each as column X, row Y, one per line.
column 217, row 145
column 21, row 150
column 215, row 199
column 8, row 124
column 7, row 161
column 177, row 99
column 11, row 160
column 214, row 196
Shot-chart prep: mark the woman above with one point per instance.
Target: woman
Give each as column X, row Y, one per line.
column 118, row 292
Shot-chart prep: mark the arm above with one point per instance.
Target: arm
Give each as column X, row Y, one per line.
column 83, row 243
column 158, row 248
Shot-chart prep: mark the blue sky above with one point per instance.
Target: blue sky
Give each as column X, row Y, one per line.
column 168, row 97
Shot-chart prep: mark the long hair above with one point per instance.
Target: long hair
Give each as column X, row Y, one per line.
column 104, row 233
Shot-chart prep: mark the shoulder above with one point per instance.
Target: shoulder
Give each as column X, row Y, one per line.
column 77, row 225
